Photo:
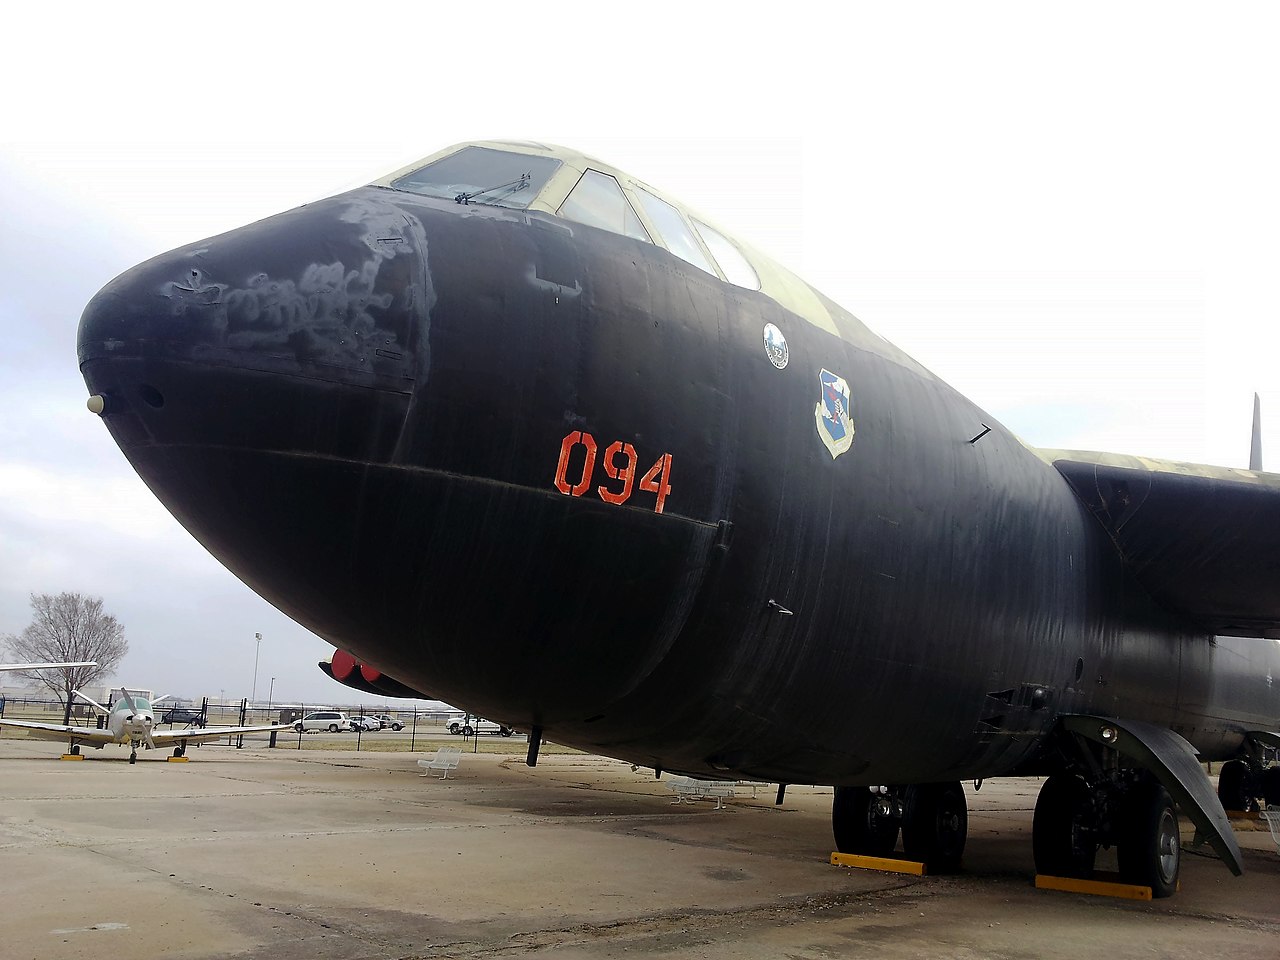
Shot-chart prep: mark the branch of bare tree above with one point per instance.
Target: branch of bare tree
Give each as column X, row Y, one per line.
column 69, row 627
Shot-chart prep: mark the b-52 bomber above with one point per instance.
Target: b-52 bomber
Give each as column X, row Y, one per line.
column 518, row 430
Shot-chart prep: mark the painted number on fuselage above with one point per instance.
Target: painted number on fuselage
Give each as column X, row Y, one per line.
column 619, row 462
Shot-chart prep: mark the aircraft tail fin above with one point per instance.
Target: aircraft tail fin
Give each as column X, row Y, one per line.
column 1255, row 444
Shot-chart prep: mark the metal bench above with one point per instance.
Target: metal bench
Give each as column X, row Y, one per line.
column 446, row 759
column 687, row 790
column 1272, row 816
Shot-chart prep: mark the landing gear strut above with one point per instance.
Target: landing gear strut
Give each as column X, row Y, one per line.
column 133, row 755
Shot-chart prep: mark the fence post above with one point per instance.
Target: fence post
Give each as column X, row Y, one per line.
column 413, row 735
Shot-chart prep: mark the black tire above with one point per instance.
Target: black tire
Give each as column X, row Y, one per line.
column 467, row 731
column 75, row 749
column 178, row 751
column 1270, row 782
column 133, row 757
column 1148, row 845
column 935, row 822
column 397, row 727
column 858, row 825
column 1235, row 786
column 333, row 728
column 455, row 729
column 505, row 731
column 1063, row 834
column 297, row 727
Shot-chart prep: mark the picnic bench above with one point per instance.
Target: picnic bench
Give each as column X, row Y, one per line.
column 1272, row 816
column 687, row 790
column 446, row 759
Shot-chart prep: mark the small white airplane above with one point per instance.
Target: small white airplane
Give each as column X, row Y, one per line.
column 130, row 721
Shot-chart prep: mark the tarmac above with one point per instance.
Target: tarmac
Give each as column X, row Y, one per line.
column 323, row 854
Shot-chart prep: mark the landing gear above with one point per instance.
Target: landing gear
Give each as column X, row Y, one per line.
column 864, row 823
column 1131, row 812
column 75, row 750
column 179, row 751
column 1270, row 780
column 1235, row 786
column 133, row 756
column 1065, row 832
column 1150, row 846
column 935, row 822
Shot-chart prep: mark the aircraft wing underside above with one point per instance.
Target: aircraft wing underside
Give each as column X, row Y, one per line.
column 58, row 731
column 1202, row 540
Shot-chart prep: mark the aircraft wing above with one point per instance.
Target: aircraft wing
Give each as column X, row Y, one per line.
column 1202, row 540
column 200, row 735
column 58, row 731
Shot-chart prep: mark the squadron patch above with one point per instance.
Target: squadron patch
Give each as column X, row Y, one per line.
column 775, row 346
column 833, row 416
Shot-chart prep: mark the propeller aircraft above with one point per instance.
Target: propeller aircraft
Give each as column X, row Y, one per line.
column 130, row 721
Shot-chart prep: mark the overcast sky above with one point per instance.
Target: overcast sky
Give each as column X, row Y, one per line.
column 1069, row 212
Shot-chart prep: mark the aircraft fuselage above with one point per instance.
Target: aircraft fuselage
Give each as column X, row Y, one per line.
column 553, row 475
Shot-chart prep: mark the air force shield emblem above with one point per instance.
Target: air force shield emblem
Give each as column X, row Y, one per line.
column 834, row 419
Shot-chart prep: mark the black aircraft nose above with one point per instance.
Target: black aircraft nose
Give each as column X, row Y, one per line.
column 287, row 311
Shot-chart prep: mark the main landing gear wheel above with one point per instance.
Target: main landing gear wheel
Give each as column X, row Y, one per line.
column 179, row 752
column 1150, row 847
column 1270, row 781
column 1063, row 834
column 133, row 756
column 75, row 750
column 935, row 822
column 860, row 825
column 1235, row 781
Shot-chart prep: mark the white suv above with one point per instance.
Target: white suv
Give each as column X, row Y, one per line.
column 469, row 727
column 331, row 720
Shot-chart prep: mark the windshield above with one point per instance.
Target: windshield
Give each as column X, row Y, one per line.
column 482, row 175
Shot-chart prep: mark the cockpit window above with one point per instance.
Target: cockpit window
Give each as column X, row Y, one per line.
column 736, row 268
column 598, row 201
column 674, row 231
column 482, row 175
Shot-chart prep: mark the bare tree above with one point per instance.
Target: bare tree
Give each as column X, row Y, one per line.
column 69, row 627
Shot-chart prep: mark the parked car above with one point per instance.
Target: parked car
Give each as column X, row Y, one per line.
column 389, row 721
column 472, row 726
column 332, row 720
column 367, row 724
column 191, row 717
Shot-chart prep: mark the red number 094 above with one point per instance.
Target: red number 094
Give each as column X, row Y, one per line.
column 619, row 462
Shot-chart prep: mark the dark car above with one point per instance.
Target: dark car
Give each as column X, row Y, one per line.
column 192, row 718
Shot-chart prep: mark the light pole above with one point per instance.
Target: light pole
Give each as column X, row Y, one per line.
column 256, row 650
